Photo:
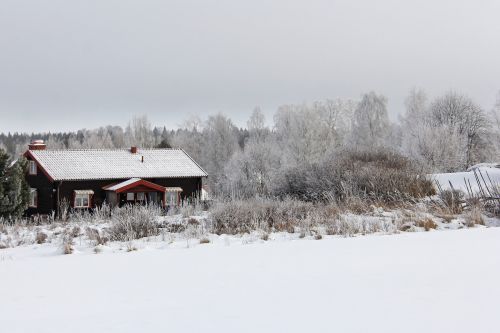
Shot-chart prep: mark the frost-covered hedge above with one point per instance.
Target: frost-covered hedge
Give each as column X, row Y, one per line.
column 372, row 175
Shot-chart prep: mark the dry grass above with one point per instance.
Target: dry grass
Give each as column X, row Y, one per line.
column 474, row 216
column 134, row 222
column 269, row 215
column 193, row 222
column 204, row 240
column 427, row 224
column 41, row 237
column 68, row 247
column 96, row 237
column 243, row 216
column 451, row 202
column 75, row 231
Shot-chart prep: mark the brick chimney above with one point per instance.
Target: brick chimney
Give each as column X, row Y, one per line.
column 37, row 145
column 133, row 150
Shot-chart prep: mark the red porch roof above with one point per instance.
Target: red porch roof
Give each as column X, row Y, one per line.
column 132, row 183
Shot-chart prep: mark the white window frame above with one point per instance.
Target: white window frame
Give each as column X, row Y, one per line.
column 130, row 194
column 33, row 169
column 172, row 198
column 80, row 200
column 140, row 196
column 33, row 203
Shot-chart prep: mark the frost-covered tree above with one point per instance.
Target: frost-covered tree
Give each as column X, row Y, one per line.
column 494, row 131
column 257, row 120
column 414, row 124
column 460, row 114
column 251, row 172
column 370, row 126
column 448, row 135
column 139, row 132
column 306, row 133
column 220, row 142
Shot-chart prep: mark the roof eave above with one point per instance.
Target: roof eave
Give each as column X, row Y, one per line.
column 40, row 165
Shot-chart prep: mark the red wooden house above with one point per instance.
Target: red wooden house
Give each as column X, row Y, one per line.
column 85, row 178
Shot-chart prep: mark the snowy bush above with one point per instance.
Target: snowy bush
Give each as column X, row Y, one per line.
column 133, row 222
column 379, row 175
column 452, row 200
column 241, row 216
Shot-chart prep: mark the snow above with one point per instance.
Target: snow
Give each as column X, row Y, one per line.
column 437, row 281
column 77, row 164
column 457, row 179
column 122, row 184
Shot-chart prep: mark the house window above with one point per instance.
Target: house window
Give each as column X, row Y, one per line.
column 130, row 197
column 32, row 167
column 82, row 198
column 33, row 198
column 140, row 196
column 172, row 198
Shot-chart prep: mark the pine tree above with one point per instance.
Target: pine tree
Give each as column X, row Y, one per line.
column 14, row 190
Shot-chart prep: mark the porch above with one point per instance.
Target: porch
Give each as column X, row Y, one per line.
column 140, row 191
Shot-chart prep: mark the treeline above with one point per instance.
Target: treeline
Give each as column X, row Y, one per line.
column 331, row 138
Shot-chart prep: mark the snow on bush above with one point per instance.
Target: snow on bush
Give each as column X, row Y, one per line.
column 380, row 175
column 134, row 222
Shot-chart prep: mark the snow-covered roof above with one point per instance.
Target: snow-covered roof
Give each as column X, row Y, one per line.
column 122, row 184
column 85, row 164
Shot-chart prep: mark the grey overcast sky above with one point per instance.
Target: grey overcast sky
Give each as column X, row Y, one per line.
column 75, row 64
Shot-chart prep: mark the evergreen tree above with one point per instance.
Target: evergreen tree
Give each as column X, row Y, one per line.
column 14, row 190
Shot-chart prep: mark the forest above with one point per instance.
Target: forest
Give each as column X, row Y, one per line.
column 312, row 151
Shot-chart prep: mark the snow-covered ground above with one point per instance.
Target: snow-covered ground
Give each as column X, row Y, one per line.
column 488, row 173
column 437, row 281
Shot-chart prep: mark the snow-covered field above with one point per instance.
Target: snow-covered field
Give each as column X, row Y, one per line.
column 437, row 281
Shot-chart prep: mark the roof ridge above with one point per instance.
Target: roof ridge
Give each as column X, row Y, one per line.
column 103, row 149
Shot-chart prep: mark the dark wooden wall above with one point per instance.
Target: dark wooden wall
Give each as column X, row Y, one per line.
column 46, row 193
column 47, row 190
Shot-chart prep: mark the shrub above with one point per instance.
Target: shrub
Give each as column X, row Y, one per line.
column 427, row 224
column 372, row 175
column 452, row 201
column 67, row 244
column 95, row 236
column 134, row 222
column 204, row 240
column 193, row 222
column 75, row 232
column 41, row 237
column 243, row 216
column 474, row 216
